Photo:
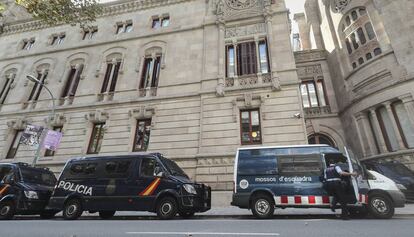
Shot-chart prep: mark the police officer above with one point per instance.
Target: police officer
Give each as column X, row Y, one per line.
column 335, row 188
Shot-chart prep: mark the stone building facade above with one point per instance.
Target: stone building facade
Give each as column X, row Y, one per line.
column 192, row 79
column 363, row 51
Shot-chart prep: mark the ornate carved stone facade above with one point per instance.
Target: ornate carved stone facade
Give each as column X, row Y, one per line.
column 368, row 74
column 194, row 110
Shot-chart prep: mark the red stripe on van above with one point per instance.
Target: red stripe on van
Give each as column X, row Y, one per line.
column 284, row 199
column 325, row 199
column 311, row 199
column 298, row 200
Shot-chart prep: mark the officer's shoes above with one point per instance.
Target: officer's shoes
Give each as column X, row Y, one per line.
column 332, row 208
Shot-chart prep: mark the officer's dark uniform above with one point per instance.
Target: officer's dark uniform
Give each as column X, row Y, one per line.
column 335, row 188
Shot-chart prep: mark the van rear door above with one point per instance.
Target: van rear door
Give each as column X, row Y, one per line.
column 360, row 183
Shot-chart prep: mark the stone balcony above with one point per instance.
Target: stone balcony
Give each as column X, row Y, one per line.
column 317, row 111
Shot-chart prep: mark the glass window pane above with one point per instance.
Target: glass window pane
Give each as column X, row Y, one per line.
column 361, row 61
column 354, row 41
column 230, row 61
column 348, row 21
column 128, row 27
column 370, row 31
column 165, row 22
column 312, row 95
column 405, row 123
column 255, row 118
column 305, row 97
column 119, row 28
column 368, row 56
column 377, row 51
column 361, row 36
column 156, row 23
column 321, row 93
column 348, row 46
column 362, row 12
column 142, row 135
column 264, row 65
column 354, row 15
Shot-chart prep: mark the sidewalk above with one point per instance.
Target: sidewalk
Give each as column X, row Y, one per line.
column 237, row 212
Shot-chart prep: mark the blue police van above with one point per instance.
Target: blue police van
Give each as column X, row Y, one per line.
column 139, row 182
column 290, row 176
column 25, row 190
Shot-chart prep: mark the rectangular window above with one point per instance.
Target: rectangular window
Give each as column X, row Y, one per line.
column 142, row 135
column 263, row 57
column 147, row 167
column 58, row 39
column 323, row 101
column 156, row 23
column 51, row 152
column 300, row 165
column 28, row 44
column 37, row 88
column 72, row 81
column 15, row 144
column 119, row 28
column 89, row 34
column 165, row 21
column 250, row 127
column 230, row 61
column 246, row 59
column 117, row 168
column 111, row 76
column 309, row 96
column 6, row 88
column 150, row 73
column 95, row 141
column 128, row 27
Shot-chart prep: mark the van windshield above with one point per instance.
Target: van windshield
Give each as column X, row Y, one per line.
column 173, row 168
column 38, row 176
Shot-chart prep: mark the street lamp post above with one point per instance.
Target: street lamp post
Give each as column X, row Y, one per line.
column 51, row 115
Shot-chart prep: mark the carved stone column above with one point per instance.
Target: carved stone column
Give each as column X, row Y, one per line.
column 395, row 126
column 367, row 143
column 378, row 131
column 221, row 51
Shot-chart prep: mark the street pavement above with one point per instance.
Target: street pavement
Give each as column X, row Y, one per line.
column 225, row 222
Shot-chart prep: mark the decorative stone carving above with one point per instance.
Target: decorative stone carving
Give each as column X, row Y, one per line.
column 247, row 101
column 339, row 5
column 239, row 31
column 19, row 123
column 241, row 4
column 310, row 71
column 97, row 116
column 236, row 9
column 220, row 89
column 58, row 120
column 142, row 112
column 276, row 83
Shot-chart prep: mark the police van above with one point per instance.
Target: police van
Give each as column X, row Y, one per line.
column 25, row 190
column 291, row 176
column 139, row 182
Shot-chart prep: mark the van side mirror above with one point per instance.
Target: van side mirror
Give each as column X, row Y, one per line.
column 9, row 179
column 158, row 172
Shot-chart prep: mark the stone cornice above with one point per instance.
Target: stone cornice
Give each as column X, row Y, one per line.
column 109, row 9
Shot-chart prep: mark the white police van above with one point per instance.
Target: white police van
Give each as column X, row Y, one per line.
column 290, row 176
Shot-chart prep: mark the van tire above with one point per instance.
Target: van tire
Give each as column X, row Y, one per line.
column 72, row 210
column 262, row 206
column 166, row 208
column 186, row 214
column 7, row 210
column 106, row 214
column 380, row 206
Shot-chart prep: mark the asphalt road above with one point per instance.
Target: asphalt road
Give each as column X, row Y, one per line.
column 204, row 226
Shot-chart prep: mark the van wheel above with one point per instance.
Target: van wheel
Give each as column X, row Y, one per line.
column 106, row 214
column 72, row 210
column 47, row 214
column 380, row 206
column 166, row 208
column 186, row 214
column 7, row 210
column 262, row 207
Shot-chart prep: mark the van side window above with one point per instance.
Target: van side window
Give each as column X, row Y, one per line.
column 117, row 168
column 257, row 163
column 82, row 169
column 77, row 168
column 300, row 165
column 147, row 167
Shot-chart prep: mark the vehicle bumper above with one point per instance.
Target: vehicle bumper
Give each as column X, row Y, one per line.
column 398, row 198
column 197, row 203
column 241, row 200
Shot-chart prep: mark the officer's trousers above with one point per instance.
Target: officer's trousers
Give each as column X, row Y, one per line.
column 337, row 190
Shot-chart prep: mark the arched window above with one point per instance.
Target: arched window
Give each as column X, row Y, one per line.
column 42, row 72
column 357, row 31
column 151, row 71
column 318, row 138
column 6, row 82
column 113, row 66
column 73, row 78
